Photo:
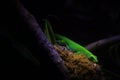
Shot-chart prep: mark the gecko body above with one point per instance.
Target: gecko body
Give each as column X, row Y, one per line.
column 75, row 47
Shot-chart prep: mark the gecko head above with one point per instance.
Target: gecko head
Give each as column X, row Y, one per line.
column 93, row 59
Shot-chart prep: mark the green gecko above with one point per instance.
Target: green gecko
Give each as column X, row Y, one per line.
column 62, row 40
column 75, row 47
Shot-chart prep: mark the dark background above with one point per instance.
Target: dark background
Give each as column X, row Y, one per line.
column 83, row 21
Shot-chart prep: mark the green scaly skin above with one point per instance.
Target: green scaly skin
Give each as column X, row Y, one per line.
column 75, row 47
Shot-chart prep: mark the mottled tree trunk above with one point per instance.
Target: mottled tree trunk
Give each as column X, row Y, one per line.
column 41, row 39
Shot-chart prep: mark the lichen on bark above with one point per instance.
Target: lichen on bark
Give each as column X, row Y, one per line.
column 79, row 66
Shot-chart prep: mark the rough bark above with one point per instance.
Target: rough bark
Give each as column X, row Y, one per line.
column 41, row 38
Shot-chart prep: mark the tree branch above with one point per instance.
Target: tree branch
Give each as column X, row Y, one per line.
column 41, row 38
column 103, row 42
